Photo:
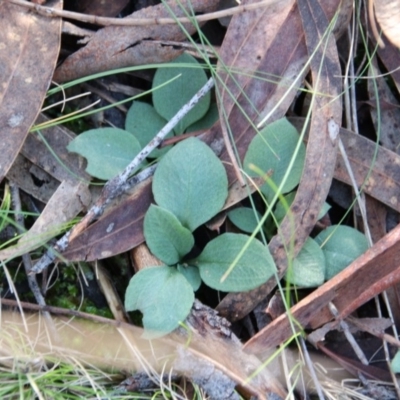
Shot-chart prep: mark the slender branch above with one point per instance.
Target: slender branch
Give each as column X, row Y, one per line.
column 27, row 261
column 105, row 21
column 118, row 185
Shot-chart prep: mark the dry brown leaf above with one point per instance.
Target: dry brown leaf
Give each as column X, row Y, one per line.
column 388, row 15
column 38, row 171
column 29, row 46
column 124, row 46
column 59, row 162
column 32, row 179
column 389, row 118
column 374, row 326
column 67, row 202
column 118, row 230
column 383, row 171
column 390, row 57
column 376, row 212
column 356, row 368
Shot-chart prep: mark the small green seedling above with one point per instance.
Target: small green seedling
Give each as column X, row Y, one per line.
column 277, row 148
column 190, row 186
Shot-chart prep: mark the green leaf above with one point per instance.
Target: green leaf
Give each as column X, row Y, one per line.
column 254, row 267
column 341, row 246
column 107, row 150
column 272, row 150
column 245, row 218
column 166, row 237
column 325, row 208
column 395, row 364
column 308, row 269
column 144, row 122
column 207, row 121
column 191, row 182
column 169, row 99
column 163, row 295
column 281, row 209
column 192, row 274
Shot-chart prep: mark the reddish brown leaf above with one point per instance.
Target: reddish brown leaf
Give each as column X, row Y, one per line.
column 119, row 230
column 123, row 46
column 29, row 46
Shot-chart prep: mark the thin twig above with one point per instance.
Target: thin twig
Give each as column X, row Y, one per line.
column 26, row 258
column 105, row 21
column 350, row 338
column 58, row 311
column 118, row 185
column 386, row 350
column 311, row 369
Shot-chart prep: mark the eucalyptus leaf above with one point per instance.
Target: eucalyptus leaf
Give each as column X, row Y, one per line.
column 191, row 182
column 245, row 218
column 253, row 268
column 166, row 237
column 308, row 269
column 143, row 121
column 107, row 150
column 192, row 274
column 272, row 151
column 170, row 98
column 163, row 295
column 341, row 246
